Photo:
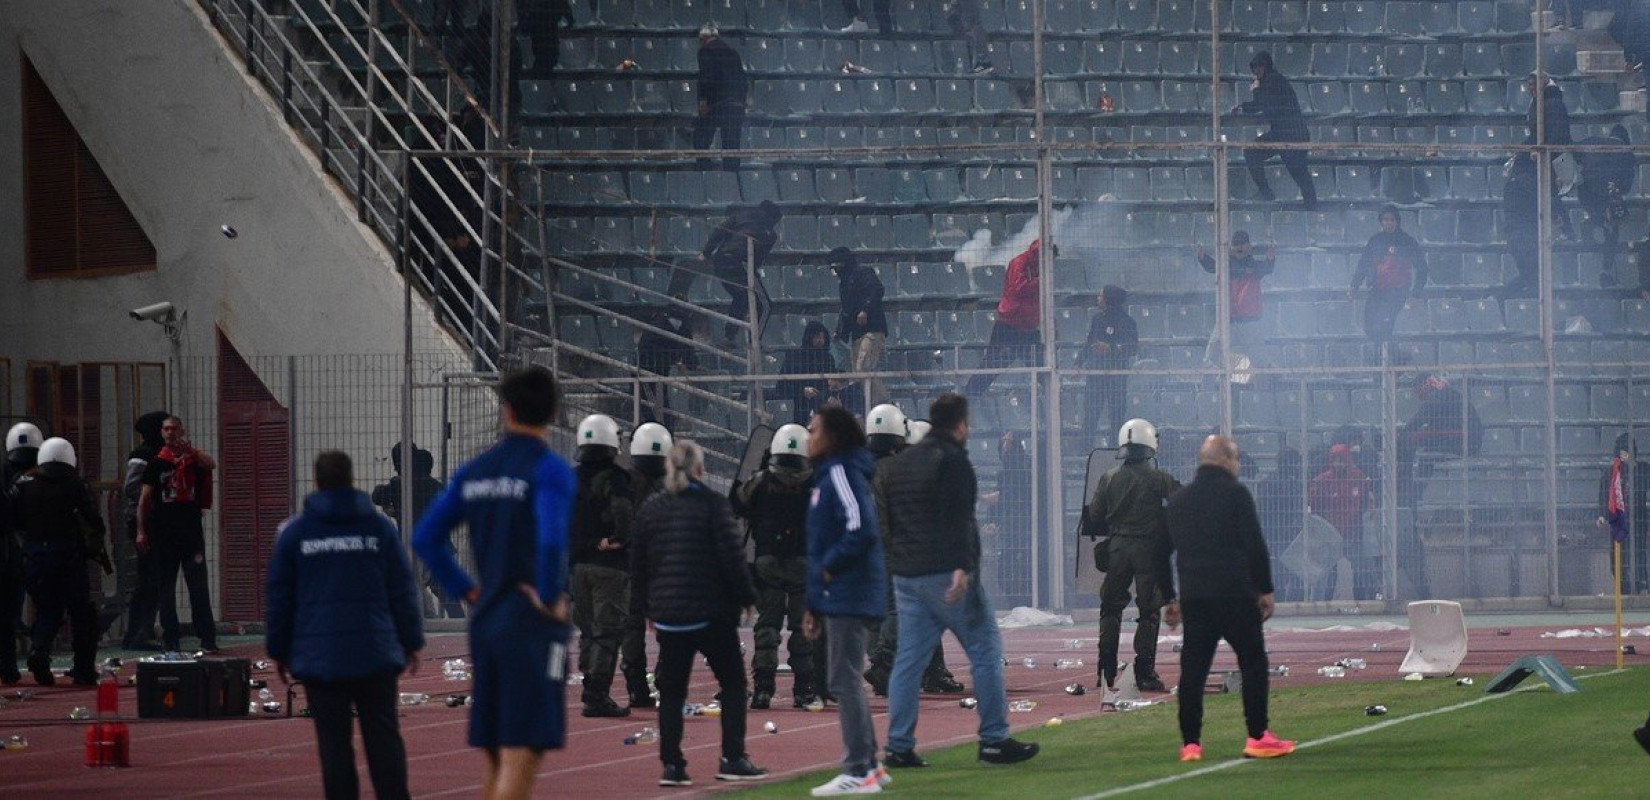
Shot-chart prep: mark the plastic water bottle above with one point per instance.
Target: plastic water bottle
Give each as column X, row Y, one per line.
column 1074, row 644
column 1280, row 671
column 17, row 742
column 272, row 707
column 711, row 709
column 967, row 702
column 1030, row 663
column 80, row 712
column 1022, row 705
column 1069, row 663
column 260, row 664
column 266, row 694
column 1333, row 671
column 414, row 698
column 1357, row 663
column 457, row 700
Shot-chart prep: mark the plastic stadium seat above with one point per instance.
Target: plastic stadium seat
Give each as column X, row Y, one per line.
column 1405, row 18
column 910, row 186
column 1476, row 226
column 796, row 185
column 1405, row 97
column 838, row 231
column 947, row 94
column 1247, row 17
column 913, row 232
column 798, row 232
column 874, row 231
column 1578, row 440
column 1607, row 402
column 1326, row 16
column 1367, row 97
column 915, row 327
column 915, row 58
column 1635, row 315
column 802, row 15
column 1354, row 182
column 1136, row 15
column 1291, row 58
column 1404, row 60
column 1445, row 97
column 1142, row 96
column 983, row 183
column 877, row 96
column 993, row 95
column 1559, row 59
column 1329, row 59
column 1475, row 17
column 873, row 184
column 943, row 185
column 1019, row 183
column 1522, row 315
column 1140, row 57
column 834, row 185
column 1017, row 16
column 1518, row 59
column 1365, row 60
column 1364, row 17
column 1443, row 60
column 1438, row 638
column 1326, row 98
column 1480, row 60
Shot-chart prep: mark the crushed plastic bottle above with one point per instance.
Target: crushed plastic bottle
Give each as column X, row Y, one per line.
column 1074, row 644
column 1466, row 681
column 577, row 679
column 1332, row 671
column 80, row 712
column 1054, row 722
column 1374, row 711
column 1134, row 705
column 260, row 664
column 1022, row 705
column 643, row 736
column 266, row 694
column 1352, row 663
column 272, row 707
column 16, row 742
column 968, row 702
column 23, row 694
column 414, row 698
column 457, row 700
column 711, row 709
column 1069, row 663
column 1030, row 663
column 770, row 727
column 1280, row 671
column 1076, row 689
column 257, row 683
column 456, row 669
column 691, row 709
column 252, row 707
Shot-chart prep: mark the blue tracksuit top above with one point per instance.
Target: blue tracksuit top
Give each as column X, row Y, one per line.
column 517, row 499
column 842, row 540
column 342, row 604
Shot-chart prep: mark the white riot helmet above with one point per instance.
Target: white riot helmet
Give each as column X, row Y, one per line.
column 886, row 420
column 23, row 434
column 789, row 440
column 599, row 429
column 919, row 430
column 651, row 439
column 58, row 451
column 1135, row 435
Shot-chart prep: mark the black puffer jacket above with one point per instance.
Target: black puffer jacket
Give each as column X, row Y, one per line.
column 686, row 562
column 46, row 503
column 929, row 491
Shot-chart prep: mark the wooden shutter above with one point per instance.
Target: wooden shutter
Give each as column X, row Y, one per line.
column 254, row 492
column 76, row 224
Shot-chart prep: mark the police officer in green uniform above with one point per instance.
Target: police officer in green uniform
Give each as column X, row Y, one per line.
column 600, row 532
column 887, row 433
column 1126, row 512
column 649, row 446
column 775, row 502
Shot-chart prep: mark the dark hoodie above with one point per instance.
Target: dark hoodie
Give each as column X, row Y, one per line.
column 1115, row 327
column 602, row 509
column 807, row 360
column 1555, row 114
column 137, row 462
column 1276, row 102
column 342, row 604
column 860, row 290
column 19, row 461
column 842, row 540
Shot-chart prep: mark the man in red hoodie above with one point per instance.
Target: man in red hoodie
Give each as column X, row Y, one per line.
column 1341, row 495
column 1017, row 333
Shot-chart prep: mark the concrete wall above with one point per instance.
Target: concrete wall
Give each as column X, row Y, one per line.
column 191, row 143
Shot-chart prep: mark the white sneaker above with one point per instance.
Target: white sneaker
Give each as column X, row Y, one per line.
column 857, row 26
column 847, row 784
column 883, row 776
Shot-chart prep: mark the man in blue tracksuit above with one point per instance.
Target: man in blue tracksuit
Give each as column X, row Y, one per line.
column 845, row 586
column 343, row 617
column 516, row 499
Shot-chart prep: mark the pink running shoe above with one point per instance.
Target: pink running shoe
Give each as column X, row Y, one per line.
column 1268, row 746
column 1191, row 752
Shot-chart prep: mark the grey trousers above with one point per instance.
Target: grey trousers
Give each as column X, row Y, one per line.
column 845, row 643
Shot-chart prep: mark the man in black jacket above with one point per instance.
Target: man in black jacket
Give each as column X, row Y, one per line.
column 1225, row 593
column 934, row 553
column 1126, row 512
column 775, row 502
column 722, row 91
column 862, row 324
column 1393, row 265
column 542, row 20
column 144, row 602
column 748, row 231
column 1274, row 99
column 1114, row 338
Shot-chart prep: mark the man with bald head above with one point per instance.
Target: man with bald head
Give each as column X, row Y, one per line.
column 1224, row 591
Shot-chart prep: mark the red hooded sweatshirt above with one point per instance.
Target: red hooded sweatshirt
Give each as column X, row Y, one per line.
column 1022, row 291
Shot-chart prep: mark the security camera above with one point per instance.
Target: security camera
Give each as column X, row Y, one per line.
column 156, row 312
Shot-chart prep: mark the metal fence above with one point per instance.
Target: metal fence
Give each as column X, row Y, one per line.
column 1116, row 132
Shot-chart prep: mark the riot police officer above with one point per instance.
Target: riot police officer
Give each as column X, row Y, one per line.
column 600, row 532
column 22, row 449
column 61, row 529
column 649, row 447
column 888, row 432
column 775, row 502
column 1126, row 513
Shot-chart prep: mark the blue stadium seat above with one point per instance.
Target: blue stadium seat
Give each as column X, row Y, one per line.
column 943, row 184
column 1062, row 57
column 1326, row 16
column 915, row 327
column 1367, row 97
column 1404, row 60
column 1443, row 60
column 1102, row 57
column 1518, row 59
column 877, row 96
column 913, row 232
column 983, row 183
column 1365, row 18
column 917, row 16
column 1140, row 57
column 916, row 57
column 1635, row 315
column 1248, row 17
column 802, row 15
column 798, row 232
column 834, row 185
column 1136, row 15
column 838, row 231
column 1326, row 98
column 1017, row 16
column 1286, row 16
column 1405, row 97
column 957, row 328
column 1445, row 97
column 1405, row 18
column 1607, row 402
column 796, row 185
column 993, row 96
column 875, row 231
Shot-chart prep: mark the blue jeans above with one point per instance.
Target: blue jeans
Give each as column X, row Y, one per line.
column 923, row 617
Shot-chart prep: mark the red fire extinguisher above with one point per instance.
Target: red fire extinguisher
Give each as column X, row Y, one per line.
column 108, row 742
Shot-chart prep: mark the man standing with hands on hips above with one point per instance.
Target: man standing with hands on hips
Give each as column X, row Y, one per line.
column 1225, row 593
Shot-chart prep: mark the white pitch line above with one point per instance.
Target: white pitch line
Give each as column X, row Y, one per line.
column 1238, row 762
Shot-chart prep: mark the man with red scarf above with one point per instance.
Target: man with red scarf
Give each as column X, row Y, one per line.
column 177, row 485
column 1017, row 333
column 1622, row 497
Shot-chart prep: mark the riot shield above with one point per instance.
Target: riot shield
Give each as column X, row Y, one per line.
column 756, row 451
column 1088, row 578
